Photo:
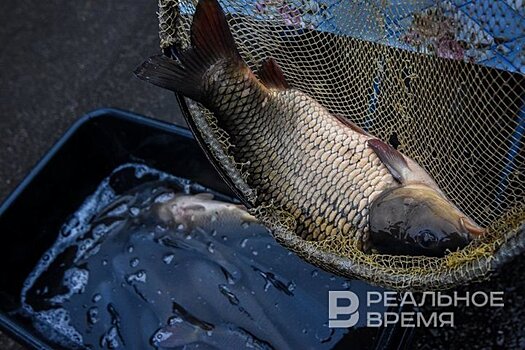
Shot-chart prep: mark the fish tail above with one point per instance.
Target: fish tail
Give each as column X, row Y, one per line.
column 211, row 41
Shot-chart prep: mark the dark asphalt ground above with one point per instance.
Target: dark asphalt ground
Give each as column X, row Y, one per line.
column 60, row 59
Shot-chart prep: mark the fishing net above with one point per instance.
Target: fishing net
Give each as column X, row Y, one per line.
column 442, row 81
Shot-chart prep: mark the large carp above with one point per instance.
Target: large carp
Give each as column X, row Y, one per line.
column 329, row 174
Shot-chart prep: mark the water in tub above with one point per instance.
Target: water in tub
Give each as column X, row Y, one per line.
column 155, row 261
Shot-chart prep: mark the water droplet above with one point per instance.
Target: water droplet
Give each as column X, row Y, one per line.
column 99, row 230
column 96, row 298
column 68, row 227
column 160, row 336
column 245, row 225
column 214, row 217
column 268, row 246
column 130, row 249
column 224, row 238
column 314, row 273
column 211, row 247
column 243, row 242
column 168, row 258
column 228, row 294
column 104, row 262
column 134, row 262
column 255, row 253
column 92, row 315
column 172, row 321
column 139, row 276
column 134, row 211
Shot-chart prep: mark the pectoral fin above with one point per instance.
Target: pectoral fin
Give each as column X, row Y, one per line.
column 391, row 158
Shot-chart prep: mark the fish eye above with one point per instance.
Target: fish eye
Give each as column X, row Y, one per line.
column 427, row 238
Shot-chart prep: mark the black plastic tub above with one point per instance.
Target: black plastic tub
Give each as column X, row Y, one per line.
column 31, row 217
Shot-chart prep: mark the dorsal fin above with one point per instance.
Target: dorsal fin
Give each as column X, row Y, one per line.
column 210, row 33
column 391, row 158
column 271, row 75
column 351, row 125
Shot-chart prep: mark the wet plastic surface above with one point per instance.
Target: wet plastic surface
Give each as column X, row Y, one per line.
column 31, row 217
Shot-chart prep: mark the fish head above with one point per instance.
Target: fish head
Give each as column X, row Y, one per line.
column 200, row 210
column 417, row 220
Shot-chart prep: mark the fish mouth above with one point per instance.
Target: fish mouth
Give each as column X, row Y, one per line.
column 473, row 231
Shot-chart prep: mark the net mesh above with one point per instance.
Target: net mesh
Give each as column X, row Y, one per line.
column 442, row 81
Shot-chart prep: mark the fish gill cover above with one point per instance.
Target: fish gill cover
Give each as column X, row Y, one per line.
column 442, row 81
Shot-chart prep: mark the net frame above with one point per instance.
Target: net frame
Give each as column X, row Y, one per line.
column 400, row 92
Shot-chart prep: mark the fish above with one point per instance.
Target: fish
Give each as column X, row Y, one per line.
column 198, row 210
column 330, row 175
